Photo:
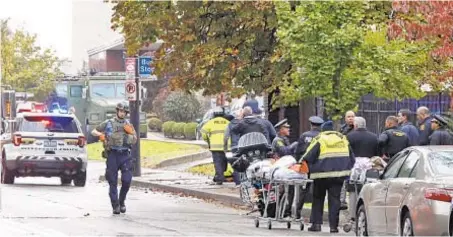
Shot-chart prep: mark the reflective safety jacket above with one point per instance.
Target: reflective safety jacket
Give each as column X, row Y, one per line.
column 329, row 156
column 213, row 133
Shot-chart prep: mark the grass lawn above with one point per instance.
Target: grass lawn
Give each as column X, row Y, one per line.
column 152, row 152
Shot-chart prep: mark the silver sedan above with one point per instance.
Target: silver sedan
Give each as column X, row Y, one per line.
column 411, row 197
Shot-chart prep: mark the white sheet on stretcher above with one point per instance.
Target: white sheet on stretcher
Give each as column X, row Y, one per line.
column 358, row 172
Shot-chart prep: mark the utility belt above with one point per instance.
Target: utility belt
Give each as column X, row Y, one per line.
column 118, row 150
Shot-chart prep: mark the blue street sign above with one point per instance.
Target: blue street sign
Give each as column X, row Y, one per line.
column 144, row 67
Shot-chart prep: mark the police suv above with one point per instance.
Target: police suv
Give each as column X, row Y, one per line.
column 45, row 145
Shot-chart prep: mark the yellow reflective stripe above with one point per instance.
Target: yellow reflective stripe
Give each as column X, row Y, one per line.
column 333, row 155
column 217, row 132
column 330, row 174
column 218, row 147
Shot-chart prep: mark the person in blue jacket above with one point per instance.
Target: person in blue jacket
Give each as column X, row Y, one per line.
column 407, row 127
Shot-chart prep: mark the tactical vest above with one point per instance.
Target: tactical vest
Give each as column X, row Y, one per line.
column 116, row 137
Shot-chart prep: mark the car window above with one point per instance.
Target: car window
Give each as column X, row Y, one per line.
column 441, row 162
column 48, row 124
column 76, row 91
column 394, row 166
column 408, row 165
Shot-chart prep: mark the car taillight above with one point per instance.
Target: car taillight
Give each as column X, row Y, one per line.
column 438, row 194
column 17, row 139
column 81, row 141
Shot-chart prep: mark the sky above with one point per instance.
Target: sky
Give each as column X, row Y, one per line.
column 70, row 27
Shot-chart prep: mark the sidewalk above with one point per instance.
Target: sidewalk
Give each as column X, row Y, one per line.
column 174, row 180
column 156, row 136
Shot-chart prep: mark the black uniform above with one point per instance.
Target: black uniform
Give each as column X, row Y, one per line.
column 392, row 141
column 363, row 143
column 441, row 136
column 304, row 141
column 248, row 125
column 425, row 131
column 346, row 128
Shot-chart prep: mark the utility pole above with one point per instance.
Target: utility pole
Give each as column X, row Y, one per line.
column 135, row 120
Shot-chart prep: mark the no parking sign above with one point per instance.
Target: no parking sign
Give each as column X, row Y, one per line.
column 131, row 89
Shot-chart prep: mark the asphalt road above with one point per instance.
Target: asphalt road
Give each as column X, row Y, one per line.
column 42, row 207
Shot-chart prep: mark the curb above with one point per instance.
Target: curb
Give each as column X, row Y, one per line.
column 228, row 200
column 184, row 159
column 187, row 142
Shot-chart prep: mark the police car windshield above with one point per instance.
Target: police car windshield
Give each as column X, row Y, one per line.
column 48, row 124
column 442, row 162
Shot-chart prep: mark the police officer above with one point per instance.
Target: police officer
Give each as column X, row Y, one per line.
column 306, row 137
column 213, row 133
column 441, row 135
column 392, row 140
column 119, row 137
column 330, row 160
column 281, row 145
column 424, row 125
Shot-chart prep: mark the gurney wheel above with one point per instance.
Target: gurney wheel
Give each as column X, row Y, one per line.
column 269, row 225
column 288, row 224
column 257, row 223
column 302, row 226
column 347, row 227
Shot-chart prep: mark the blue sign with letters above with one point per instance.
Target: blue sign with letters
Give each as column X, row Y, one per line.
column 144, row 67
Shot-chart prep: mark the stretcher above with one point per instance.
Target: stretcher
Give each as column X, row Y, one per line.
column 280, row 189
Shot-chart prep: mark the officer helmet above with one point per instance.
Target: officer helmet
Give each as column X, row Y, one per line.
column 218, row 111
column 123, row 106
column 316, row 120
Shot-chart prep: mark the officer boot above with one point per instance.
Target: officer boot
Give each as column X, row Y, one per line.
column 116, row 209
column 122, row 207
column 315, row 228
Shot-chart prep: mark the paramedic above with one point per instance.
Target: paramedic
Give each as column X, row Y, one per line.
column 330, row 160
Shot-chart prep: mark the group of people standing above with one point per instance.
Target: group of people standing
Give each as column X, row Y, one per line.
column 329, row 154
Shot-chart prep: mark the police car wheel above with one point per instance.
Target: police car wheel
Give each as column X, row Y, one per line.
column 65, row 180
column 7, row 176
column 80, row 179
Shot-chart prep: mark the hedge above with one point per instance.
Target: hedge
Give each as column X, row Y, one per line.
column 179, row 130
column 168, row 128
column 155, row 124
column 190, row 131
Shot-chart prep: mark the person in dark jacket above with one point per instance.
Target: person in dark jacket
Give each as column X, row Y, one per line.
column 330, row 160
column 441, row 135
column 306, row 137
column 349, row 125
column 407, row 127
column 253, row 103
column 392, row 140
column 232, row 140
column 250, row 123
column 424, row 125
column 363, row 142
column 281, row 145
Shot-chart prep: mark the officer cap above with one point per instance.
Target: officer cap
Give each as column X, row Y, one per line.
column 316, row 120
column 283, row 123
column 440, row 119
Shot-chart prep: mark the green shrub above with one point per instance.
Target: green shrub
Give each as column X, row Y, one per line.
column 155, row 124
column 178, row 130
column 168, row 128
column 190, row 131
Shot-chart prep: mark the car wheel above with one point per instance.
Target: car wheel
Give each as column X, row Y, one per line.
column 362, row 222
column 406, row 225
column 65, row 180
column 7, row 175
column 80, row 179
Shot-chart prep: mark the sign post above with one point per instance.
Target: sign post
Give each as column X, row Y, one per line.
column 132, row 94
